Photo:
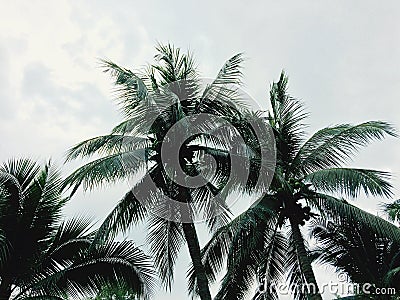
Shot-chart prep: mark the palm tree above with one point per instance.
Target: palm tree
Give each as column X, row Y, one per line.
column 356, row 250
column 266, row 241
column 43, row 256
column 155, row 102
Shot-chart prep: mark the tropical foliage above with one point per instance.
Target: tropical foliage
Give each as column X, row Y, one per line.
column 154, row 104
column 42, row 256
column 185, row 147
column 393, row 210
column 310, row 178
column 366, row 257
column 116, row 292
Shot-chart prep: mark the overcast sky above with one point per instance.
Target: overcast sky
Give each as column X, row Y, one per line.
column 342, row 57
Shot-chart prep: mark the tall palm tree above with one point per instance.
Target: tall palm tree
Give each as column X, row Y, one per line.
column 43, row 256
column 266, row 241
column 356, row 250
column 154, row 103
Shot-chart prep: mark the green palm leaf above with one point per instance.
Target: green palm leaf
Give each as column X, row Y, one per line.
column 393, row 210
column 131, row 90
column 351, row 182
column 101, row 265
column 108, row 169
column 333, row 146
column 337, row 208
column 165, row 239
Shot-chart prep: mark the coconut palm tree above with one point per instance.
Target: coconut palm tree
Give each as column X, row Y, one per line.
column 266, row 242
column 358, row 251
column 43, row 256
column 157, row 105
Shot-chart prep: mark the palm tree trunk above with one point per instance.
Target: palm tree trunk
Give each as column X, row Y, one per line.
column 192, row 240
column 5, row 289
column 194, row 250
column 304, row 261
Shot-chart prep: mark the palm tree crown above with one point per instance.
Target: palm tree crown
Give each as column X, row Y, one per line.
column 159, row 106
column 43, row 256
column 308, row 178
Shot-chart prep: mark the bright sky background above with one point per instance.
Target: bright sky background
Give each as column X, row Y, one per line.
column 343, row 59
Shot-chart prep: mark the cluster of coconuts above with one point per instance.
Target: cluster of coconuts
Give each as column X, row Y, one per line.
column 295, row 210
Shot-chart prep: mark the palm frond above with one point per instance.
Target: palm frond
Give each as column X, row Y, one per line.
column 43, row 209
column 338, row 208
column 213, row 256
column 107, row 169
column 333, row 146
column 227, row 244
column 231, row 71
column 72, row 236
column 286, row 120
column 107, row 144
column 393, row 210
column 102, row 265
column 222, row 96
column 208, row 200
column 254, row 245
column 272, row 269
column 130, row 88
column 361, row 253
column 351, row 181
column 24, row 170
column 165, row 238
column 175, row 65
column 126, row 213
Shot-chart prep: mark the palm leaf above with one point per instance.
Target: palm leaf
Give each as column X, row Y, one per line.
column 337, row 208
column 101, row 265
column 107, row 169
column 127, row 212
column 286, row 120
column 130, row 88
column 165, row 238
column 393, row 210
column 351, row 182
column 333, row 146
column 107, row 144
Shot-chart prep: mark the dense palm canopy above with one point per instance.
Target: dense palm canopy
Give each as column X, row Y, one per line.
column 155, row 103
column 42, row 256
column 355, row 249
column 266, row 242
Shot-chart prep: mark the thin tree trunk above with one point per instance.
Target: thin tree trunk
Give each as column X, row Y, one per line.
column 305, row 263
column 194, row 250
column 192, row 240
column 5, row 289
